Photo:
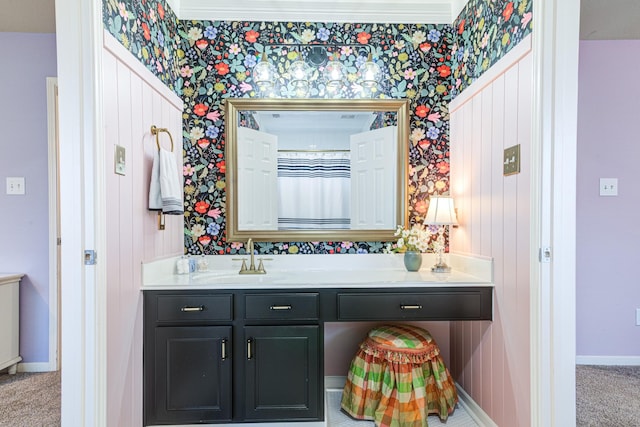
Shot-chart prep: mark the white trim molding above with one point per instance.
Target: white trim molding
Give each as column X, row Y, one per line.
column 473, row 409
column 52, row 131
column 499, row 68
column 36, row 367
column 406, row 11
column 608, row 360
column 112, row 45
column 553, row 212
column 334, row 381
column 82, row 209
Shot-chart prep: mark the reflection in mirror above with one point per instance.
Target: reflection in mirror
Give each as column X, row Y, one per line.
column 316, row 170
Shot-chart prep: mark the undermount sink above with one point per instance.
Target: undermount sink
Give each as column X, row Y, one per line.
column 297, row 277
column 233, row 278
column 226, row 277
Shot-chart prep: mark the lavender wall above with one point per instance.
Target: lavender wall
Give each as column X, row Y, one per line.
column 608, row 230
column 28, row 60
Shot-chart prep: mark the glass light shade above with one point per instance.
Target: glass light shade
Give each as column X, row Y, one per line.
column 334, row 74
column 441, row 211
column 370, row 73
column 264, row 75
column 299, row 72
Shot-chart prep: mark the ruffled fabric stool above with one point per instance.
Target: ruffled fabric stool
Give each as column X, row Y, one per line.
column 397, row 378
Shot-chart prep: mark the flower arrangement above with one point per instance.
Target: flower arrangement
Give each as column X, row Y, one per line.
column 414, row 239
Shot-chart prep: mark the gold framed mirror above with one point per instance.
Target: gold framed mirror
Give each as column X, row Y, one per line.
column 312, row 170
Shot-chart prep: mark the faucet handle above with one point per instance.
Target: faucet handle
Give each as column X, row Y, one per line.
column 261, row 265
column 244, row 263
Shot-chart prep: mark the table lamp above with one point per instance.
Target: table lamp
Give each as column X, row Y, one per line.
column 441, row 212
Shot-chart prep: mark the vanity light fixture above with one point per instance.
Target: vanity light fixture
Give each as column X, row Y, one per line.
column 370, row 74
column 264, row 74
column 441, row 212
column 300, row 73
column 334, row 73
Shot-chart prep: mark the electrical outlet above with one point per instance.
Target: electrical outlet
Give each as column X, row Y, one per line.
column 608, row 186
column 637, row 316
column 511, row 160
column 15, row 185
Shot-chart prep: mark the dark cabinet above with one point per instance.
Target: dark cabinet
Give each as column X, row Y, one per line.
column 192, row 374
column 282, row 373
column 446, row 304
column 188, row 360
column 213, row 357
column 240, row 356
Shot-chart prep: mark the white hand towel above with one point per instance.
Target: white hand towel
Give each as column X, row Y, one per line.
column 165, row 189
column 155, row 197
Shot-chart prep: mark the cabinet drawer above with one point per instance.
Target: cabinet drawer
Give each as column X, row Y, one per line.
column 291, row 306
column 458, row 305
column 194, row 307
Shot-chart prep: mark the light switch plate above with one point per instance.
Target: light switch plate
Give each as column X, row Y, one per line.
column 511, row 160
column 119, row 159
column 608, row 186
column 15, row 185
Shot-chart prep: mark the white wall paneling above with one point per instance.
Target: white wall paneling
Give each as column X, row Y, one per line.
column 491, row 359
column 134, row 100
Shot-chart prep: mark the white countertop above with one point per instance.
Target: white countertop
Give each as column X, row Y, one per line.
column 319, row 271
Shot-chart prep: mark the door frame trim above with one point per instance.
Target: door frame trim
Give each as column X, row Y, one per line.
column 553, row 212
column 79, row 41
column 52, row 130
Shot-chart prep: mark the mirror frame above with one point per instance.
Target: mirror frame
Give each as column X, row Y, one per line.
column 232, row 108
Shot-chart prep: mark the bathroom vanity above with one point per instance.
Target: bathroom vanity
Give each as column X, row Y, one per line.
column 226, row 348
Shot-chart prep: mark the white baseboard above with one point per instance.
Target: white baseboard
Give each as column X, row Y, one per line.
column 608, row 360
column 35, row 367
column 334, row 382
column 473, row 409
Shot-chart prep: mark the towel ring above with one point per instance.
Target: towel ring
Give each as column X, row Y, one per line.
column 156, row 131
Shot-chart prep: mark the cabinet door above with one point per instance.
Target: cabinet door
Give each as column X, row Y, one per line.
column 192, row 374
column 282, row 373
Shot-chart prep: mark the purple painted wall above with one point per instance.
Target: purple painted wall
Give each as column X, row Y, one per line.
column 608, row 230
column 24, row 232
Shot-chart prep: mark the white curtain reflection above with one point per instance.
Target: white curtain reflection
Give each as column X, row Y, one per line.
column 314, row 190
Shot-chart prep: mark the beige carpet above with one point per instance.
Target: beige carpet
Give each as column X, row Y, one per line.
column 30, row 399
column 607, row 396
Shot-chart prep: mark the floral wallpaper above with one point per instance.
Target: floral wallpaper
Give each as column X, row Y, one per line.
column 148, row 29
column 483, row 33
column 207, row 61
column 216, row 59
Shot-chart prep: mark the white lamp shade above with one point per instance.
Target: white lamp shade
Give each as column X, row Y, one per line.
column 441, row 211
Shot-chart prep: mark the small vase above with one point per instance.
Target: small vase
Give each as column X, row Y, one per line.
column 412, row 260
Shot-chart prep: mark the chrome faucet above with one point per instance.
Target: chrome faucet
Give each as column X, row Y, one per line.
column 252, row 264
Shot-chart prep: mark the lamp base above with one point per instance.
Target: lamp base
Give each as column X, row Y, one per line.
column 441, row 268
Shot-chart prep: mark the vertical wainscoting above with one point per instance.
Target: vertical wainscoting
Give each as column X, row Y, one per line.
column 491, row 360
column 134, row 100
